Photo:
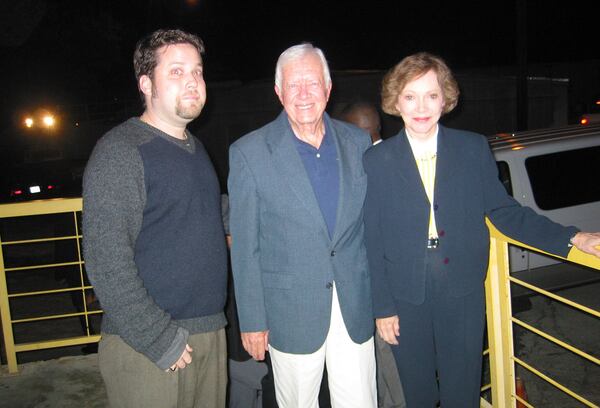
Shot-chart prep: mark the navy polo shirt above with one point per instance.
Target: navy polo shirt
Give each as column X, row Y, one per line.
column 322, row 169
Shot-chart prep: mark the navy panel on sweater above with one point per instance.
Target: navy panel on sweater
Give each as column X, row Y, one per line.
column 183, row 213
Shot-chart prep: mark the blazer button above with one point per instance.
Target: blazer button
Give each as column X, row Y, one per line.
column 435, row 207
column 332, row 253
column 329, row 285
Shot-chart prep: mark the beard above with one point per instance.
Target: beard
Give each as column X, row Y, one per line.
column 191, row 111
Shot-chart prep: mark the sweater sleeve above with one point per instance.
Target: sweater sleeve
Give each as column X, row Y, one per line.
column 113, row 204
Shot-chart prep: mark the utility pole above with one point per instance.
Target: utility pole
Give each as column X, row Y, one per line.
column 522, row 95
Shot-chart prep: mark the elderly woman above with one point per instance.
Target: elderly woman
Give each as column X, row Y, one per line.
column 429, row 191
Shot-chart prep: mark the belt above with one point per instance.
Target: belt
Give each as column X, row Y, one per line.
column 433, row 243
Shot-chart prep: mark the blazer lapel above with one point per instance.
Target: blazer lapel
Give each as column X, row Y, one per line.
column 447, row 154
column 289, row 165
column 349, row 158
column 406, row 169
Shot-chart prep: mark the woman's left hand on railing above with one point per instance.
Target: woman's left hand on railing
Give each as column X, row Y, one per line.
column 588, row 242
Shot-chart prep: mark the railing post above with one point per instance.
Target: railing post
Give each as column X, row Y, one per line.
column 7, row 331
column 499, row 325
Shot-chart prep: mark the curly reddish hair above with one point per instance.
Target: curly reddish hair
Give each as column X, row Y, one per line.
column 411, row 68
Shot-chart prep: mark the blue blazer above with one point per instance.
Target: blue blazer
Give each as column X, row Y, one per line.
column 466, row 190
column 282, row 256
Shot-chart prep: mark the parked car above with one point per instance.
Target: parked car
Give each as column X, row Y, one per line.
column 41, row 180
column 555, row 172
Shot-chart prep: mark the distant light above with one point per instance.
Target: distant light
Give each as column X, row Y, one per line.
column 35, row 189
column 598, row 102
column 584, row 121
column 16, row 192
column 50, row 187
column 48, row 120
column 28, row 122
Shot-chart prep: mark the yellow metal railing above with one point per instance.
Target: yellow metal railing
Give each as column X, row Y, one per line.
column 500, row 321
column 15, row 219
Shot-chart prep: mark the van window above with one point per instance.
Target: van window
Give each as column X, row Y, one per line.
column 566, row 178
column 504, row 176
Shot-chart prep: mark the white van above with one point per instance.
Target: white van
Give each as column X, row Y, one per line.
column 556, row 172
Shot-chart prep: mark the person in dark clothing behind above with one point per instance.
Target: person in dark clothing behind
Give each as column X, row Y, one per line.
column 154, row 243
column 246, row 375
column 364, row 115
column 389, row 387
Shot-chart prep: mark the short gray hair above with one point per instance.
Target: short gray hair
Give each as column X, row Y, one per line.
column 296, row 52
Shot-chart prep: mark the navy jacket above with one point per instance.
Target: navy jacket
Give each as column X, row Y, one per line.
column 467, row 190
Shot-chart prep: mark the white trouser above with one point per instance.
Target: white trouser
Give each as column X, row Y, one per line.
column 350, row 370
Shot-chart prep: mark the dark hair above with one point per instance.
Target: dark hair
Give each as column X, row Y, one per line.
column 413, row 67
column 357, row 105
column 144, row 56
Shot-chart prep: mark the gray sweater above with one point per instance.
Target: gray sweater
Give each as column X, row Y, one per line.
column 153, row 239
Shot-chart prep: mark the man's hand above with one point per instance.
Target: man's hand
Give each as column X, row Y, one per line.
column 184, row 360
column 256, row 343
column 389, row 329
column 588, row 242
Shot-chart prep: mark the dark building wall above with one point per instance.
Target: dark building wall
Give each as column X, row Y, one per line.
column 557, row 94
column 487, row 105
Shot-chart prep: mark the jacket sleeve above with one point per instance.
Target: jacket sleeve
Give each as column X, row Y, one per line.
column 244, row 223
column 383, row 301
column 113, row 204
column 517, row 221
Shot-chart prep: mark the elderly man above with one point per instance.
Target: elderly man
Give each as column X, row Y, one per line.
column 302, row 284
column 154, row 243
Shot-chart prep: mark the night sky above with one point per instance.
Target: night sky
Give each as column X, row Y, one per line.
column 67, row 52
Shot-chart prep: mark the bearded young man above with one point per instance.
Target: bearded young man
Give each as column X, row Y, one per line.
column 154, row 242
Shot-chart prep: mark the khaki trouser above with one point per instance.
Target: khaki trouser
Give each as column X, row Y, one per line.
column 134, row 381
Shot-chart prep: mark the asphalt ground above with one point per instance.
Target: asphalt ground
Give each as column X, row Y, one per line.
column 67, row 377
column 571, row 326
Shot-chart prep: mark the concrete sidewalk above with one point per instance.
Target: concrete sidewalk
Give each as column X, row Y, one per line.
column 65, row 382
